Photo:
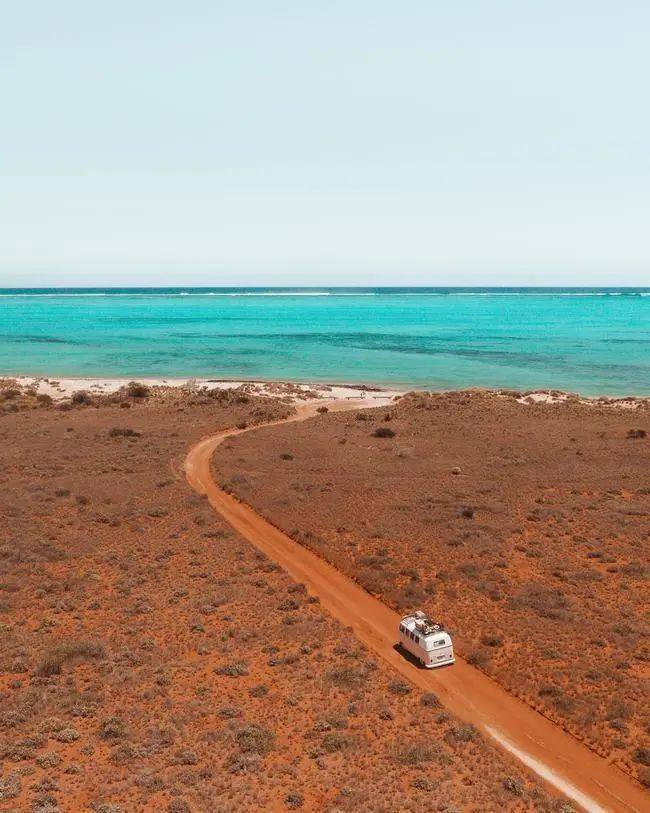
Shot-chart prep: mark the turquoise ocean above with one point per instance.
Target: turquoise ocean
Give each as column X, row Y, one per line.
column 593, row 341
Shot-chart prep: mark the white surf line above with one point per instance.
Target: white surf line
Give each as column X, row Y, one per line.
column 563, row 785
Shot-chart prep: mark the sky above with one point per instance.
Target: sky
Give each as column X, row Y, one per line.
column 361, row 142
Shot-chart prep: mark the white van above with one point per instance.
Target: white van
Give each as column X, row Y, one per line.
column 427, row 640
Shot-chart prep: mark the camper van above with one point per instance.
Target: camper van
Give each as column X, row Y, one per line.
column 427, row 640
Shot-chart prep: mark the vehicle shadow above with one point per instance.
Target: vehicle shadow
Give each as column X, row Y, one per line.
column 408, row 656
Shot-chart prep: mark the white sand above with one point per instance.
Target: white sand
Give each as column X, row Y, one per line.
column 59, row 388
column 556, row 397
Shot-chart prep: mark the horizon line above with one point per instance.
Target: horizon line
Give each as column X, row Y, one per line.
column 317, row 287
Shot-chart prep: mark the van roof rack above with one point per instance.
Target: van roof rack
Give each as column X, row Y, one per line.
column 427, row 625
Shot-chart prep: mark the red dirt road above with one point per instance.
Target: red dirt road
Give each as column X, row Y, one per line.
column 555, row 756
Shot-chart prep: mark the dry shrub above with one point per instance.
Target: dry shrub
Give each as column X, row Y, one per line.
column 478, row 658
column 255, row 739
column 136, row 390
column 123, row 432
column 335, row 741
column 235, row 669
column 642, row 756
column 464, row 733
column 415, row 753
column 10, row 786
column 113, row 728
column 53, row 660
column 492, row 640
column 346, row 677
column 514, row 785
column 8, row 393
column 293, row 801
column 546, row 602
column 399, row 687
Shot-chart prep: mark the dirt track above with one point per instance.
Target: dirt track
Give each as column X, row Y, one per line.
column 551, row 753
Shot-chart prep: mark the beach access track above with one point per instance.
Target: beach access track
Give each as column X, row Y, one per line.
column 559, row 759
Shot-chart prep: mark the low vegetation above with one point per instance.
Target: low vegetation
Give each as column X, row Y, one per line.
column 53, row 660
column 522, row 526
column 152, row 660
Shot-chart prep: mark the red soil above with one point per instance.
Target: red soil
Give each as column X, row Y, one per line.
column 524, row 527
column 153, row 660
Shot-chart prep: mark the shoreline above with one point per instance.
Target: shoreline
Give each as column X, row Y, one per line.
column 61, row 388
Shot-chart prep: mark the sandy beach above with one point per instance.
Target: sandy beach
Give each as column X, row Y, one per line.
column 60, row 389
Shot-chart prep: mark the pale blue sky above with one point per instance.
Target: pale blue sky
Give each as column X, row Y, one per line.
column 357, row 142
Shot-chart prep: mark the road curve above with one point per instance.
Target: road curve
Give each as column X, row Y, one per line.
column 558, row 758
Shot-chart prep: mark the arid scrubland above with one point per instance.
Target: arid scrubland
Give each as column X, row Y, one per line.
column 151, row 660
column 525, row 527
